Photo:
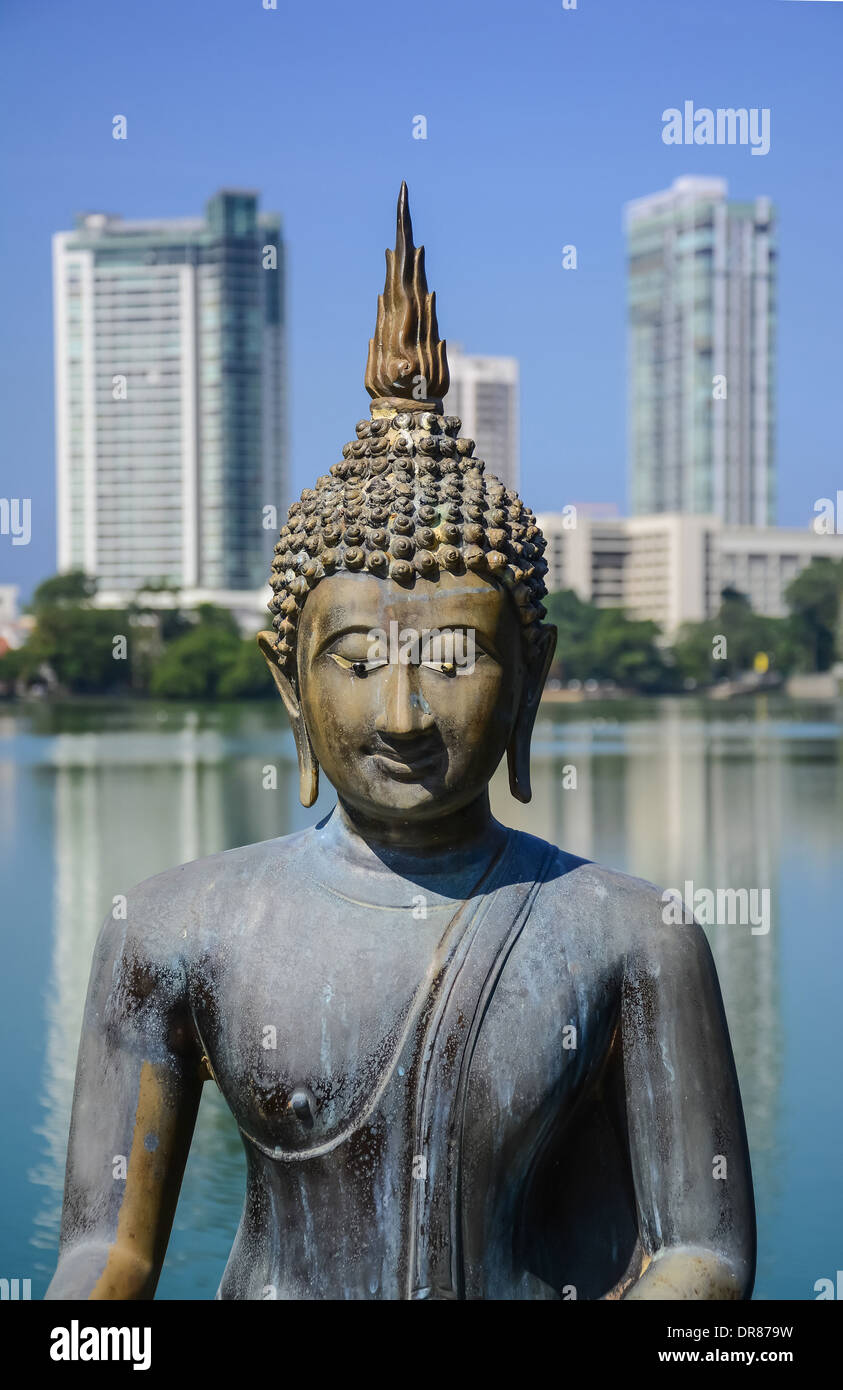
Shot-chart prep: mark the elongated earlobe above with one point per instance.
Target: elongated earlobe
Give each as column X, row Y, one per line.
column 308, row 766
column 518, row 749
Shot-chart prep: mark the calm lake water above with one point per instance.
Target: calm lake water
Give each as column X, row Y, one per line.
column 95, row 797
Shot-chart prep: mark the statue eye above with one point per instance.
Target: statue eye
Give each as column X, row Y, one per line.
column 445, row 668
column 359, row 667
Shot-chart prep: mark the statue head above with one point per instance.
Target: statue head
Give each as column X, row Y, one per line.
column 409, row 647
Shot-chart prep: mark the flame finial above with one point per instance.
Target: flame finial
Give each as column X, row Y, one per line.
column 407, row 358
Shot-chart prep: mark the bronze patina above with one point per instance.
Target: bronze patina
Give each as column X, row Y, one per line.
column 464, row 1063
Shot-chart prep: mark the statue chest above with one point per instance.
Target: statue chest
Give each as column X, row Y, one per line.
column 309, row 1035
column 313, row 1037
column 342, row 1056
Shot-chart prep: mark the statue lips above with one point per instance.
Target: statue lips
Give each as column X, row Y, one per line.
column 407, row 758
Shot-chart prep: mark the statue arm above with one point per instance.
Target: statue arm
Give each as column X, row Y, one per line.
column 688, row 1147
column 138, row 1084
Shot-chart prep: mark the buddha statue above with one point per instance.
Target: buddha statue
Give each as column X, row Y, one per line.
column 464, row 1063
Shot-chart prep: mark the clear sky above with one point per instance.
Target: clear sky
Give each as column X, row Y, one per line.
column 542, row 123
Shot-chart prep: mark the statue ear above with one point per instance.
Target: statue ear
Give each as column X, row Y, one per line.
column 518, row 749
column 308, row 766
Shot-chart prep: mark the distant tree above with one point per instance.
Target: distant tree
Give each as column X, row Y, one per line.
column 209, row 615
column 193, row 666
column 74, row 586
column 11, row 668
column 605, row 644
column 171, row 620
column 701, row 654
column 746, row 632
column 693, row 652
column 247, row 677
column 814, row 598
column 78, row 645
column 158, row 586
column 574, row 621
column 625, row 650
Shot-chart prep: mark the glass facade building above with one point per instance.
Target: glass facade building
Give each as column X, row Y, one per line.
column 701, row 344
column 170, row 396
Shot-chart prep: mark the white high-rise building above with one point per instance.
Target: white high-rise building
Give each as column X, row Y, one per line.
column 170, row 410
column 702, row 335
column 484, row 394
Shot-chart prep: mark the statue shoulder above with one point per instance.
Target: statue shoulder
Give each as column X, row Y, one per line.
column 624, row 913
column 192, row 899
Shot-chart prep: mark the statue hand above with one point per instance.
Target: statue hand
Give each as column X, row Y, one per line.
column 687, row 1272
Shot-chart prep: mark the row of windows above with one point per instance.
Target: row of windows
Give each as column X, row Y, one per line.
column 115, row 301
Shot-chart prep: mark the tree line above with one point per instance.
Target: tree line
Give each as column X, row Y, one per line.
column 168, row 652
column 607, row 644
column 171, row 652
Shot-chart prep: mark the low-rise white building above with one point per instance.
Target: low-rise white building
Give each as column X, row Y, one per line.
column 672, row 567
column 247, row 606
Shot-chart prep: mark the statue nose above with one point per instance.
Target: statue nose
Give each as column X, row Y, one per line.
column 405, row 711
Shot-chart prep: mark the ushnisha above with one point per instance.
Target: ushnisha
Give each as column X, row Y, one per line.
column 409, row 497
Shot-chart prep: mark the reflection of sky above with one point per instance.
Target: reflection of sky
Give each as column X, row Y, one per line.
column 665, row 794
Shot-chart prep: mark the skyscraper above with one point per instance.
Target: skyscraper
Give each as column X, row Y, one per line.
column 484, row 394
column 170, row 410
column 702, row 333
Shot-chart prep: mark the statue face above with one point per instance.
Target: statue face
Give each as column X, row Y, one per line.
column 414, row 733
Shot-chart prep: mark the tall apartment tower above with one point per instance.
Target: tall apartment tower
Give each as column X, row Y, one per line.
column 170, row 397
column 484, row 394
column 702, row 344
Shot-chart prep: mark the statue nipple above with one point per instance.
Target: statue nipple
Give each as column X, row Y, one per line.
column 303, row 1106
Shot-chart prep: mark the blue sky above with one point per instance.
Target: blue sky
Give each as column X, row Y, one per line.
column 542, row 122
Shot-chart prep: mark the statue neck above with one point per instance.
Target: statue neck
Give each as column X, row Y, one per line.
column 456, row 846
column 472, row 827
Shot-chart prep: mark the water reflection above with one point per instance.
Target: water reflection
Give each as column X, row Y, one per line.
column 669, row 792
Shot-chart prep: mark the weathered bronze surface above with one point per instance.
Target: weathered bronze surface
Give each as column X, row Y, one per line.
column 407, row 358
column 464, row 1063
